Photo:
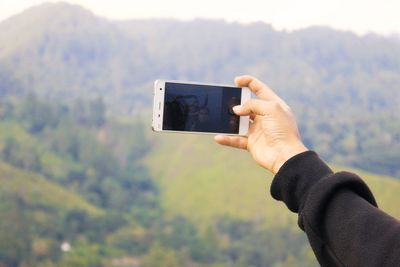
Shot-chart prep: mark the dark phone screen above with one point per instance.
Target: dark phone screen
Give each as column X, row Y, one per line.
column 201, row 108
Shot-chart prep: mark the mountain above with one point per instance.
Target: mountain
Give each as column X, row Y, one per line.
column 81, row 52
column 65, row 51
column 33, row 211
column 82, row 171
column 342, row 87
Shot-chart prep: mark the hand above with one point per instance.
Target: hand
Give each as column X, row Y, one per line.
column 273, row 136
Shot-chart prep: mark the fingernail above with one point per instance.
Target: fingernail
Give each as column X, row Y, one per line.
column 218, row 138
column 236, row 108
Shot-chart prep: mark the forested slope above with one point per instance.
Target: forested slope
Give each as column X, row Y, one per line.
column 35, row 191
column 202, row 181
column 344, row 88
column 79, row 164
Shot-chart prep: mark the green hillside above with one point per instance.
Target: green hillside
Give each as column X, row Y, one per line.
column 342, row 87
column 202, row 180
column 73, row 139
column 36, row 191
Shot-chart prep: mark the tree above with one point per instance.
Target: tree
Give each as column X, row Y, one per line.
column 97, row 112
column 178, row 233
column 75, row 223
column 10, row 146
column 15, row 230
column 37, row 114
column 160, row 256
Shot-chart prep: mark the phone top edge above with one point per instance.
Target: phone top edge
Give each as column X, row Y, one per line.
column 195, row 83
column 159, row 82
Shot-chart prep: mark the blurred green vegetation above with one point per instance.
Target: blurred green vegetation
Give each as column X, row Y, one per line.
column 83, row 181
column 70, row 180
column 227, row 181
column 117, row 193
column 342, row 87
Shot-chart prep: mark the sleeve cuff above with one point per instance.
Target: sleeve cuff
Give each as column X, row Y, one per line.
column 295, row 178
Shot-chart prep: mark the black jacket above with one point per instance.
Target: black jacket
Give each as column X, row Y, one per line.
column 338, row 213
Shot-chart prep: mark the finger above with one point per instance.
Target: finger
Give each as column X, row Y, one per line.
column 261, row 90
column 254, row 107
column 232, row 141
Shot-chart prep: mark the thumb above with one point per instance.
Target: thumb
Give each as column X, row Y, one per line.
column 253, row 106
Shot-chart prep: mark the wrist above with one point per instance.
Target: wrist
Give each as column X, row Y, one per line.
column 287, row 152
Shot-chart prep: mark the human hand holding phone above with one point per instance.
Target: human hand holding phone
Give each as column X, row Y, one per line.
column 273, row 136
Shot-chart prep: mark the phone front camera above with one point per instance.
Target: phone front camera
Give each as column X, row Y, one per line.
column 160, row 89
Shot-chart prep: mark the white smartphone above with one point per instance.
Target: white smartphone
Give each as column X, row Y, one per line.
column 189, row 107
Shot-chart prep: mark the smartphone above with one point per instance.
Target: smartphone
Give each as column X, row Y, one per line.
column 189, row 107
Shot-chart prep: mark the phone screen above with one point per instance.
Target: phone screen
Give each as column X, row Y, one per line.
column 201, row 108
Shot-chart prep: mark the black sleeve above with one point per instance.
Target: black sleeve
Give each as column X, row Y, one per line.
column 338, row 213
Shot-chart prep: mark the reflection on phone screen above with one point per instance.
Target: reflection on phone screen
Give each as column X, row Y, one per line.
column 200, row 108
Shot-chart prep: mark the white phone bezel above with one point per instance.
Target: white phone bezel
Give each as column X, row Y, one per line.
column 158, row 108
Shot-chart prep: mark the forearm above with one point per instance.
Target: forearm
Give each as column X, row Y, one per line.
column 360, row 234
column 338, row 214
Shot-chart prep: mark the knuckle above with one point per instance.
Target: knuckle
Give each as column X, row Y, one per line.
column 249, row 103
column 287, row 109
column 275, row 105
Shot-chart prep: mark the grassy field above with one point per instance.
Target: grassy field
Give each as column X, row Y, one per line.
column 202, row 181
column 35, row 190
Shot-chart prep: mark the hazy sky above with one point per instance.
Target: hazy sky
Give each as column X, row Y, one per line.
column 361, row 16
